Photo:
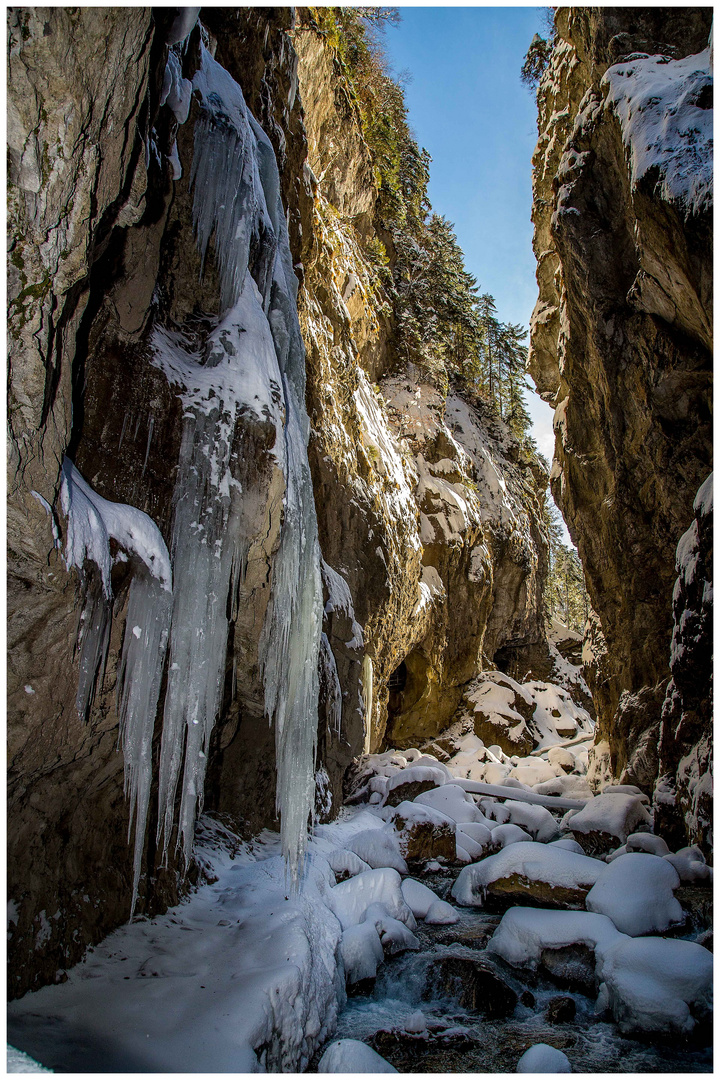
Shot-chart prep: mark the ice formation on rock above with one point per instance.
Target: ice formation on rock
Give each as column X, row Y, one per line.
column 254, row 359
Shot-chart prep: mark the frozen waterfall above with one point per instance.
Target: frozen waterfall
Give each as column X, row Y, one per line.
column 254, row 359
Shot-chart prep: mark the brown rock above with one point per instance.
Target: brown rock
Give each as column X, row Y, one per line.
column 422, row 841
column 572, row 967
column 474, row 984
column 516, row 889
column 560, row 1010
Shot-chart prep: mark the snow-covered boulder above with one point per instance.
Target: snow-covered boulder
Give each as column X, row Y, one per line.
column 379, row 848
column 361, row 952
column 536, row 820
column 440, row 913
column 691, row 867
column 558, row 755
column 524, row 934
column 568, row 787
column 345, row 864
column 656, row 984
column 350, row 899
column 549, row 875
column 352, row 1056
column 502, row 835
column 542, row 1058
column 413, row 780
column 636, row 892
column 568, row 844
column 475, row 837
column 424, row 833
column 452, row 801
column 647, row 842
column 394, row 935
column 607, row 820
column 418, row 897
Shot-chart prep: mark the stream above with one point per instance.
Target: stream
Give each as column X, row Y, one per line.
column 461, row 1039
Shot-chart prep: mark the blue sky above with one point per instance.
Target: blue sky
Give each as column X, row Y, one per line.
column 469, row 109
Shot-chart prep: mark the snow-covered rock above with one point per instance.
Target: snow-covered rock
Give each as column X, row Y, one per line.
column 636, row 892
column 691, row 866
column 647, row 842
column 558, row 755
column 345, row 864
column 418, row 897
column 502, row 835
column 542, row 1058
column 440, row 913
column 379, row 848
column 350, row 899
column 361, row 952
column 607, row 819
column 545, row 872
column 352, row 1056
column 524, row 933
column 652, row 984
column 452, row 801
column 536, row 820
column 475, row 837
column 424, row 833
column 568, row 844
column 394, row 935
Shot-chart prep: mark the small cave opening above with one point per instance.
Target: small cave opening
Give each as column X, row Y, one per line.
column 396, row 688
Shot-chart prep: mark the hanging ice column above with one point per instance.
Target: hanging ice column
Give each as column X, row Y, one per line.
column 255, row 359
column 91, row 523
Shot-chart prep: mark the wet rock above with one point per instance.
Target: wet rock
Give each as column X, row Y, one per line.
column 517, row 889
column 473, row 983
column 527, row 998
column 560, row 1010
column 572, row 967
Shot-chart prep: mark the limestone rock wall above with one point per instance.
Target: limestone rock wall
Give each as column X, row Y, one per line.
column 621, row 334
column 421, row 494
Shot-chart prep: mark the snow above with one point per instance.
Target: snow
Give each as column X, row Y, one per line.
column 497, row 791
column 236, row 978
column 555, row 714
column 542, row 1058
column 568, row 844
column 538, row 821
column 703, row 502
column 653, row 845
column 663, row 126
column 412, row 812
column 524, row 933
column 361, row 952
column 502, row 835
column 537, row 862
column 475, row 837
column 18, row 1062
column 418, row 897
column 182, row 25
column 352, row 1056
column 617, row 814
column 339, row 599
column 636, row 892
column 350, row 899
column 452, row 801
column 379, row 848
column 691, row 869
column 394, row 935
column 649, row 984
column 93, row 521
column 440, row 913
column 346, row 862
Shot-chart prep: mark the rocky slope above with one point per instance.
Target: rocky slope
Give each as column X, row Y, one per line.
column 621, row 339
column 421, row 495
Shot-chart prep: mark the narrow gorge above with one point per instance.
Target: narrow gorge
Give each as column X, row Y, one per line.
column 313, row 766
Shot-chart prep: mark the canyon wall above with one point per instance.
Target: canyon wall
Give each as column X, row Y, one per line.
column 621, row 348
column 433, row 561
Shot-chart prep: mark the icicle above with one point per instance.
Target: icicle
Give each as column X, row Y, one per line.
column 237, row 203
column 366, row 683
column 91, row 522
column 330, row 684
column 139, row 678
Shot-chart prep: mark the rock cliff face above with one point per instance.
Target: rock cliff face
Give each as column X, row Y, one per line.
column 421, row 494
column 621, row 336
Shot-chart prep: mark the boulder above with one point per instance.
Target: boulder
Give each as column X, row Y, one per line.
column 474, row 984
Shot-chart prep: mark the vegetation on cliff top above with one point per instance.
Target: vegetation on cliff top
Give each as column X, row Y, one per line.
column 442, row 321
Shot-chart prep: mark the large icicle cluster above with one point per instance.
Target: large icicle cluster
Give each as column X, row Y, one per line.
column 91, row 523
column 255, row 358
